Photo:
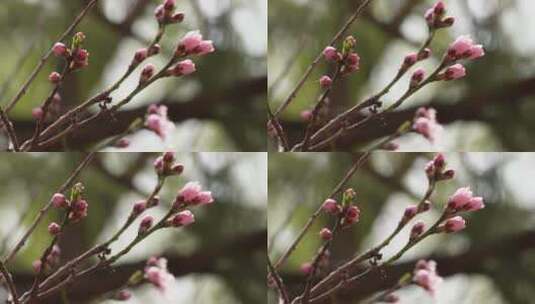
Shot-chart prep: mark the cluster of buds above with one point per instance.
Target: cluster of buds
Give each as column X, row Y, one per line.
column 462, row 48
column 50, row 262
column 165, row 13
column 158, row 122
column 193, row 44
column 425, row 275
column 436, row 169
column 76, row 55
column 77, row 207
column 436, row 16
column 157, row 274
column 463, row 200
column 145, row 53
column 347, row 58
column 347, row 212
column 166, row 165
column 192, row 195
column 425, row 123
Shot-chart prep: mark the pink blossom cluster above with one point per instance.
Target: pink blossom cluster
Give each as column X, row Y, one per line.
column 348, row 60
column 463, row 200
column 78, row 56
column 436, row 169
column 436, row 16
column 425, row 123
column 425, row 275
column 166, row 165
column 158, row 122
column 157, row 274
column 77, row 209
column 165, row 13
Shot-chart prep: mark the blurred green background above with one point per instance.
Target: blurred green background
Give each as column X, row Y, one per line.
column 489, row 110
column 219, row 259
column 219, row 108
column 491, row 261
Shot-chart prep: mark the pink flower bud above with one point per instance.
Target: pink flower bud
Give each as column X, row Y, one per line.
column 331, row 54
column 159, row 13
column 141, row 55
column 455, row 71
column 205, row 47
column 330, row 206
column 475, row 204
column 191, row 194
column 147, row 73
column 409, row 213
column 183, row 68
column 306, row 115
column 38, row 113
column 168, row 157
column 177, row 18
column 326, row 234
column 159, row 165
column 425, row 206
column 352, row 215
column 138, row 208
column 177, row 169
column 448, row 174
column 36, row 265
column 191, row 41
column 325, row 81
column 460, row 47
column 439, row 8
column 460, row 198
column 54, row 228
column 146, row 224
column 154, row 50
column 54, row 77
column 307, row 268
column 60, row 50
column 410, row 59
column 424, row 54
column 122, row 143
column 391, row 298
column 417, row 77
column 123, row 295
column 477, row 51
column 417, row 230
column 59, row 201
column 169, row 5
column 183, row 219
column 454, row 224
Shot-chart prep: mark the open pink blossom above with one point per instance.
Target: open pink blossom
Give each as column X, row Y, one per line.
column 425, row 276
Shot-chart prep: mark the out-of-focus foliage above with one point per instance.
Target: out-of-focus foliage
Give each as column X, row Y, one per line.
column 114, row 182
column 237, row 27
column 385, row 186
column 484, row 111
